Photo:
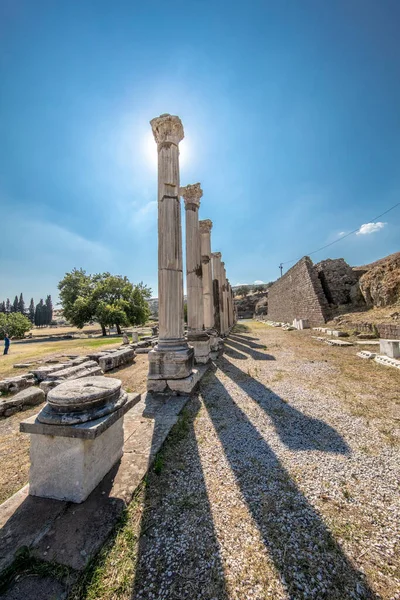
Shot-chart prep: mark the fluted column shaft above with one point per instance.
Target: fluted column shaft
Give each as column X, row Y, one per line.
column 224, row 300
column 208, row 297
column 194, row 274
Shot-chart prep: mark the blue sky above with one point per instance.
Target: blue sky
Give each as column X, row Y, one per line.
column 291, row 118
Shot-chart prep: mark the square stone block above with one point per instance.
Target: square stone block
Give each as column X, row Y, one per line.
column 170, row 364
column 66, row 468
column 390, row 348
column 201, row 350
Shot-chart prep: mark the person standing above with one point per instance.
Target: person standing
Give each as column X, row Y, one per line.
column 6, row 344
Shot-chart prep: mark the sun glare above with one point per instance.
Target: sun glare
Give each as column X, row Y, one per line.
column 150, row 149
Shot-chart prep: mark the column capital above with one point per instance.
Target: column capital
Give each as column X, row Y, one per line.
column 191, row 195
column 216, row 255
column 167, row 128
column 205, row 226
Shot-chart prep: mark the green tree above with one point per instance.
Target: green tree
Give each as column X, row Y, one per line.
column 14, row 307
column 40, row 314
column 2, row 307
column 48, row 311
column 243, row 290
column 21, row 304
column 14, row 324
column 31, row 311
column 110, row 299
column 8, row 306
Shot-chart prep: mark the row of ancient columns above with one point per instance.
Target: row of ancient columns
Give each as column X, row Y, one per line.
column 210, row 308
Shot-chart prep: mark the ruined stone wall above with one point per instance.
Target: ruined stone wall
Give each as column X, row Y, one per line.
column 339, row 281
column 298, row 294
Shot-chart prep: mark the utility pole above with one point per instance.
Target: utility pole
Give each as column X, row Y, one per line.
column 281, row 268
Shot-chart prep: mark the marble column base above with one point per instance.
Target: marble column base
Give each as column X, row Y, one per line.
column 168, row 363
column 200, row 342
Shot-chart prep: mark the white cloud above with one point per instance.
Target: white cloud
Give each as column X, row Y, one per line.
column 370, row 228
column 341, row 233
column 259, row 282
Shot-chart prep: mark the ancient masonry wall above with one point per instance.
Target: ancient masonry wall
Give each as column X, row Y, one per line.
column 298, row 294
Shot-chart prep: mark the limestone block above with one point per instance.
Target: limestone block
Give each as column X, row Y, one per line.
column 366, row 354
column 186, row 385
column 390, row 348
column 66, row 468
column 170, row 364
column 387, row 361
column 338, row 343
column 46, row 386
column 16, row 384
column 201, row 350
column 116, row 359
column 81, row 370
column 135, row 337
column 142, row 350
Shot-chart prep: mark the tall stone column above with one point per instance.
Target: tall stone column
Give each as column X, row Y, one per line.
column 224, row 308
column 216, row 275
column 197, row 336
column 208, row 299
column 229, row 299
column 208, row 292
column 172, row 358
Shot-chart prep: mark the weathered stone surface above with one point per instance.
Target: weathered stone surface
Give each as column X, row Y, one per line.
column 75, row 371
column 298, row 294
column 366, row 354
column 170, row 364
column 390, row 348
column 135, row 337
column 81, row 395
column 42, row 373
column 22, row 365
column 332, row 342
column 31, row 396
column 88, row 430
column 387, row 361
column 46, row 386
column 142, row 350
column 16, row 384
column 66, row 468
column 116, row 359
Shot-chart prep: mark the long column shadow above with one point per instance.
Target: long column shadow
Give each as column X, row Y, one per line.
column 295, row 429
column 310, row 562
column 255, row 354
column 245, row 340
column 178, row 553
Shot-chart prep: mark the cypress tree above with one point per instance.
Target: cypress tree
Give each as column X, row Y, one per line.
column 2, row 307
column 32, row 311
column 21, row 304
column 49, row 310
column 39, row 314
column 8, row 305
column 15, row 305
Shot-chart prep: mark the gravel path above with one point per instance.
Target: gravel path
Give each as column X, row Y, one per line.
column 271, row 488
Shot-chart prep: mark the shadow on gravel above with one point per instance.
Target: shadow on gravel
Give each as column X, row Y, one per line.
column 296, row 430
column 310, row 561
column 255, row 354
column 245, row 340
column 178, row 553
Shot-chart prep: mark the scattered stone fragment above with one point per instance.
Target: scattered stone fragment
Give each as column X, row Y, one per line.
column 116, row 359
column 387, row 361
column 366, row 354
column 338, row 343
column 16, row 384
column 31, row 396
column 86, row 369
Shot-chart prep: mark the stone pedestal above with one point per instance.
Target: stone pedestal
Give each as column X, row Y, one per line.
column 390, row 348
column 171, row 358
column 197, row 336
column 77, row 437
